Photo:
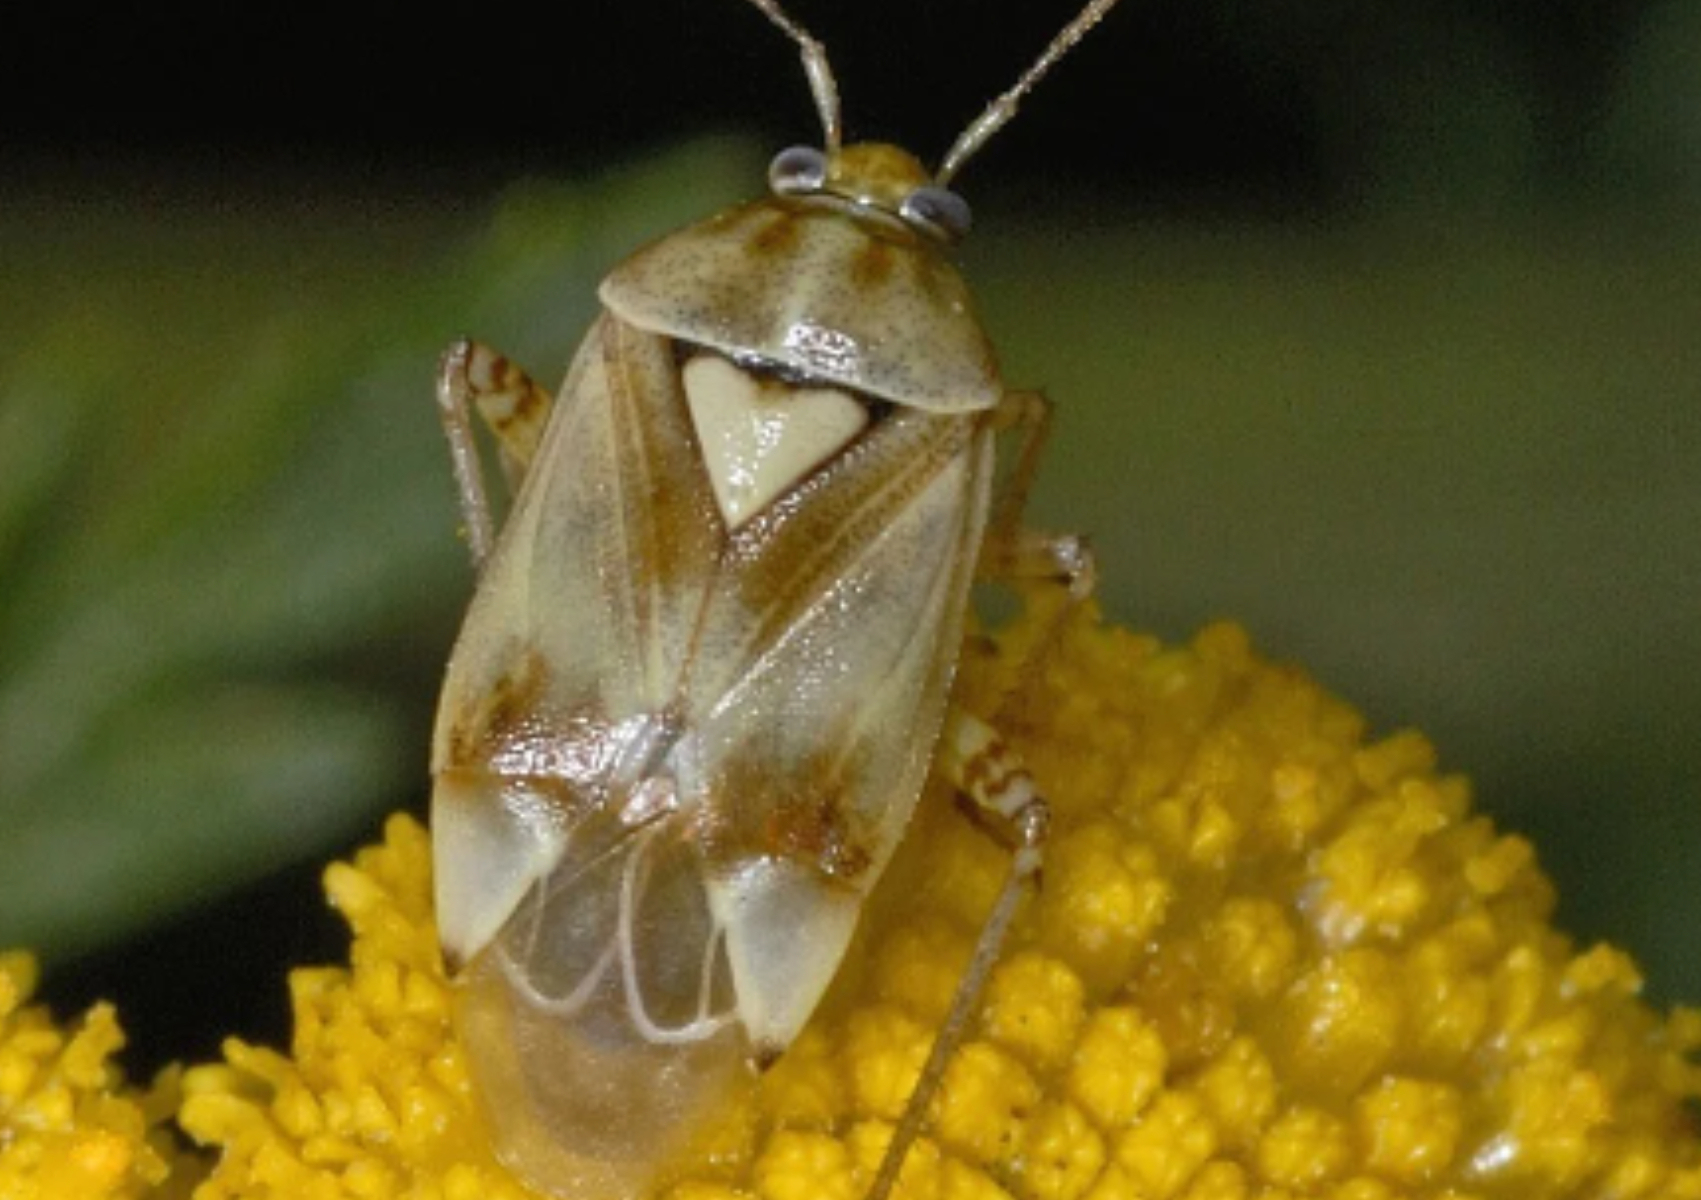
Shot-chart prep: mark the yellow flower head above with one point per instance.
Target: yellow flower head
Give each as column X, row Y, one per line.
column 1267, row 959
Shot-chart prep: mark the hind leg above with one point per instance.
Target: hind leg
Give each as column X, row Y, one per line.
column 513, row 407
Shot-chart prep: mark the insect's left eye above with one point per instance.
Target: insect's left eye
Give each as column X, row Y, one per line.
column 937, row 211
column 797, row 171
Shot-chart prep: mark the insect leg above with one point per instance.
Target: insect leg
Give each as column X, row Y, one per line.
column 1011, row 550
column 1016, row 554
column 984, row 768
column 514, row 408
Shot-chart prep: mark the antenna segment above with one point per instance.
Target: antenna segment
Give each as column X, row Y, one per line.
column 821, row 82
column 999, row 112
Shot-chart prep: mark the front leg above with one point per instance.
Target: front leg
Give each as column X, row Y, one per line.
column 513, row 407
column 1012, row 551
column 1015, row 554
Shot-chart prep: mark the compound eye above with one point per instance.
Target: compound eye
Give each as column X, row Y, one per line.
column 938, row 212
column 797, row 171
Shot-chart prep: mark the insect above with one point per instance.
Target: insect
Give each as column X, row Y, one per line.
column 707, row 665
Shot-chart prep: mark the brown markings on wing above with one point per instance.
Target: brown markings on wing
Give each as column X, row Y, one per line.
column 671, row 531
column 757, row 584
column 821, row 831
column 800, row 815
column 513, row 733
column 789, row 554
column 503, row 712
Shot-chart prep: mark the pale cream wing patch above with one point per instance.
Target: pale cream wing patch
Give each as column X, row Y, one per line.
column 490, row 855
column 759, row 436
column 785, row 934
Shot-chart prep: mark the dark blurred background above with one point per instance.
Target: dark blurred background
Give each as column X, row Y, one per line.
column 1287, row 105
column 1372, row 325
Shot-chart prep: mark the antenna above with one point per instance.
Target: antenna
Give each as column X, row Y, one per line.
column 999, row 112
column 821, row 82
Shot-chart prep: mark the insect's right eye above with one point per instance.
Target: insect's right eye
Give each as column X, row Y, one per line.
column 797, row 171
column 937, row 211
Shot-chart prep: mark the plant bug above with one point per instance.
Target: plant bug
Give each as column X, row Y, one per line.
column 707, row 666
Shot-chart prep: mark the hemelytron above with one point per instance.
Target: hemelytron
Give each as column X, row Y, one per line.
column 706, row 670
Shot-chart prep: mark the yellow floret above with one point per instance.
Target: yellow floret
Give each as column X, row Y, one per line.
column 1061, row 1152
column 1120, row 895
column 1409, row 1129
column 1032, row 1008
column 805, row 1087
column 69, row 1127
column 804, row 1166
column 1253, row 944
column 983, row 1104
column 1172, row 1140
column 884, row 1049
column 1267, row 961
column 1340, row 1021
column 1303, row 1149
column 1238, row 1088
column 1220, row 1179
column 1118, row 1066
